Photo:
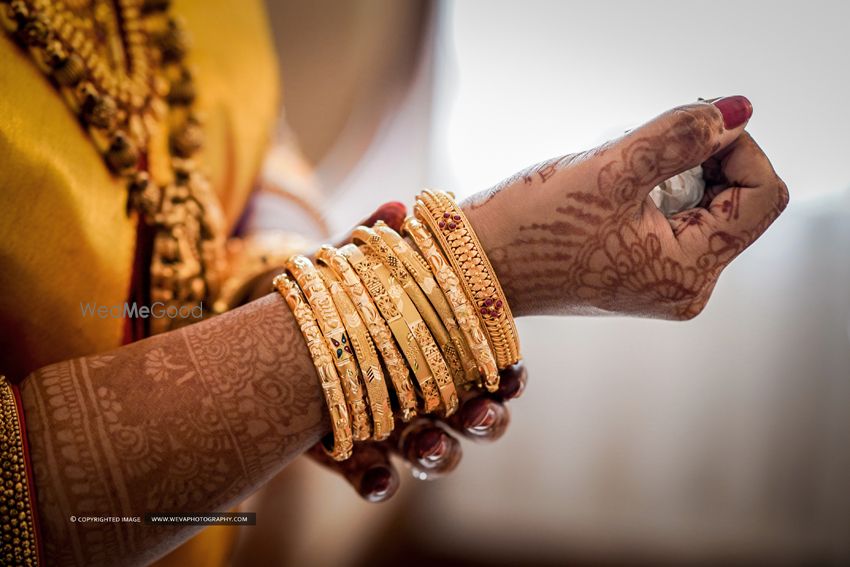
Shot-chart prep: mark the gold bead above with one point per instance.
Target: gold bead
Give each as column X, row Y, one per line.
column 98, row 110
column 187, row 139
column 35, row 31
column 122, row 153
column 69, row 71
column 155, row 5
column 174, row 41
column 182, row 90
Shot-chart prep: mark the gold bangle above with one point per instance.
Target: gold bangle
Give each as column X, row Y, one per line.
column 396, row 267
column 413, row 318
column 330, row 323
column 340, row 445
column 18, row 527
column 393, row 360
column 421, row 274
column 452, row 230
column 367, row 358
column 463, row 310
column 371, row 270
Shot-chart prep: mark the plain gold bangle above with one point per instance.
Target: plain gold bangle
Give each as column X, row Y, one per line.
column 340, row 445
column 455, row 235
column 370, row 270
column 330, row 323
column 463, row 310
column 367, row 358
column 393, row 263
column 397, row 369
column 418, row 269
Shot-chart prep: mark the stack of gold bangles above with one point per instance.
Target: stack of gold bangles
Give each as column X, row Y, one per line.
column 426, row 312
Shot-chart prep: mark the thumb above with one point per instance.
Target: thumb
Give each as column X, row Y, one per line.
column 677, row 141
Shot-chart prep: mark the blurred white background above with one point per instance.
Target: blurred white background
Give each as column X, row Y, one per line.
column 724, row 437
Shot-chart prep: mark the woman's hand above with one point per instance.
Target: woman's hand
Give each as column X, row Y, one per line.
column 428, row 445
column 579, row 234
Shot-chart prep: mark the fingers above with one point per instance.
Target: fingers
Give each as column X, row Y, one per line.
column 430, row 450
column 481, row 418
column 368, row 470
column 392, row 213
column 512, row 381
column 672, row 143
column 755, row 195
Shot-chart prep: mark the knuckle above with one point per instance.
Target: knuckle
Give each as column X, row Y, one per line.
column 692, row 309
column 695, row 126
column 783, row 196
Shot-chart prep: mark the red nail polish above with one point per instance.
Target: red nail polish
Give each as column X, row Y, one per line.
column 477, row 413
column 735, row 110
column 431, row 443
column 375, row 483
column 512, row 381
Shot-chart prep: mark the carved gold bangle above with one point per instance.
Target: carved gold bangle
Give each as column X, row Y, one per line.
column 367, row 358
column 339, row 447
column 375, row 277
column 381, row 334
column 18, row 526
column 396, row 267
column 330, row 323
column 418, row 269
column 455, row 235
column 463, row 310
column 413, row 318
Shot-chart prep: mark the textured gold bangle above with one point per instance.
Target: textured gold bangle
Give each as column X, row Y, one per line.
column 367, row 358
column 452, row 230
column 371, row 270
column 433, row 357
column 18, row 530
column 418, row 269
column 340, row 445
column 463, row 310
column 330, row 323
column 397, row 369
column 396, row 267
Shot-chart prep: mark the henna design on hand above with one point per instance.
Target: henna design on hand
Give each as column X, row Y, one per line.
column 594, row 242
column 192, row 420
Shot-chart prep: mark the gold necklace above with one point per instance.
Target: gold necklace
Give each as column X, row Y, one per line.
column 120, row 66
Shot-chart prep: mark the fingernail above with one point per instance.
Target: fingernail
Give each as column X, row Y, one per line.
column 431, row 444
column 481, row 415
column 376, row 482
column 512, row 381
column 735, row 110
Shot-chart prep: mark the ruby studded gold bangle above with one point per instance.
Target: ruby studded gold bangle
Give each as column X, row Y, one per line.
column 438, row 211
column 463, row 310
column 340, row 445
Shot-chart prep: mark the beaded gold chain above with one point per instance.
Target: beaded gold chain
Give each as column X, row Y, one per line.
column 18, row 535
column 132, row 91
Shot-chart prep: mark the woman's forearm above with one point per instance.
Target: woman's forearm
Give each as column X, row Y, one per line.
column 189, row 421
